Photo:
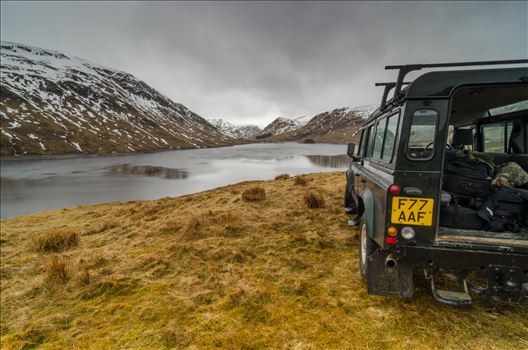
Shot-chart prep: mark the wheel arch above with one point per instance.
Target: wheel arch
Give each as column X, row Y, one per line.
column 366, row 209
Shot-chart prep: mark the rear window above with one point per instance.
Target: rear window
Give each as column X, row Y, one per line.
column 423, row 132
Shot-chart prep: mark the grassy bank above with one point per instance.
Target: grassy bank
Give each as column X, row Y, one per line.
column 254, row 265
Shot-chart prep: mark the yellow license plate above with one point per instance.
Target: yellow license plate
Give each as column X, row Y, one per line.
column 412, row 211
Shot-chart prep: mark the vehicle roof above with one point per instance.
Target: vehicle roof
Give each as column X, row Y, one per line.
column 441, row 84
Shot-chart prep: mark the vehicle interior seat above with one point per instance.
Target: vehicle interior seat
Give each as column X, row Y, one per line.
column 461, row 138
column 464, row 137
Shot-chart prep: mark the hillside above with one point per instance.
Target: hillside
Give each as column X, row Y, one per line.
column 52, row 103
column 232, row 268
column 282, row 125
column 235, row 131
column 337, row 126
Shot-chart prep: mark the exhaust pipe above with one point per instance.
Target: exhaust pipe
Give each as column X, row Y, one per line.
column 391, row 261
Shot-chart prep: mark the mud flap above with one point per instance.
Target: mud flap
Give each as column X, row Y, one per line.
column 394, row 281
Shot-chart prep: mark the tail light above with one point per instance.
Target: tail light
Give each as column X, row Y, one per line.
column 394, row 189
column 391, row 240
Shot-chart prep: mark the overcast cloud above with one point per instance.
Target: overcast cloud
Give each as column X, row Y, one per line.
column 251, row 62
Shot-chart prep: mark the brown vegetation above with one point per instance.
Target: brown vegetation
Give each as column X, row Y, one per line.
column 314, row 200
column 254, row 194
column 300, row 181
column 57, row 271
column 211, row 271
column 55, row 240
column 282, row 177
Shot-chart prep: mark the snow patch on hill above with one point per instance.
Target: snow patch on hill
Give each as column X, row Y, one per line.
column 338, row 125
column 70, row 105
column 246, row 131
column 283, row 125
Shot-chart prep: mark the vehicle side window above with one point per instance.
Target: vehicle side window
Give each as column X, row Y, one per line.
column 370, row 143
column 361, row 150
column 378, row 139
column 423, row 132
column 390, row 138
column 496, row 137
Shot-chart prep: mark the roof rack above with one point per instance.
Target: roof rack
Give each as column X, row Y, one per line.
column 388, row 88
column 407, row 68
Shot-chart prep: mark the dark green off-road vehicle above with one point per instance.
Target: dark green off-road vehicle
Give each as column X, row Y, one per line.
column 425, row 183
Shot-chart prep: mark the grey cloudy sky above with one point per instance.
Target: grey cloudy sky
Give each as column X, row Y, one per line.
column 249, row 62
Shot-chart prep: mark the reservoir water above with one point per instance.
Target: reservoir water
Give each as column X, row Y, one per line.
column 32, row 185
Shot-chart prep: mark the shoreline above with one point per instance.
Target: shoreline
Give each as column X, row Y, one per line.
column 96, row 155
column 118, row 202
column 30, row 157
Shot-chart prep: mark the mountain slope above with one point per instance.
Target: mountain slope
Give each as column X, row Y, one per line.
column 235, row 131
column 337, row 126
column 282, row 125
column 52, row 103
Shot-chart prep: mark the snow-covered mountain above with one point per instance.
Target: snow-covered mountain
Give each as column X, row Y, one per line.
column 338, row 125
column 283, row 125
column 247, row 131
column 341, row 123
column 52, row 103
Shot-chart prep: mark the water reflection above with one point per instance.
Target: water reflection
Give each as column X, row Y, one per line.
column 339, row 161
column 31, row 185
column 150, row 170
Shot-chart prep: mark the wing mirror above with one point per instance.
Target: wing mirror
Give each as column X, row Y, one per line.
column 351, row 152
column 351, row 149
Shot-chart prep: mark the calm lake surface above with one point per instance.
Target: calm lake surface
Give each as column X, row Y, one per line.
column 32, row 185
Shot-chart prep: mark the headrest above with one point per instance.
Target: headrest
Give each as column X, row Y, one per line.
column 463, row 137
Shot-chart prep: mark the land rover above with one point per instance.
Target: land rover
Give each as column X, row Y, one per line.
column 399, row 194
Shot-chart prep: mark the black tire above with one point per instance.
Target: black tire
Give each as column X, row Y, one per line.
column 367, row 246
column 349, row 201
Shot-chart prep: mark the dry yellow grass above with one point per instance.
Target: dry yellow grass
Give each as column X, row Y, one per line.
column 55, row 240
column 314, row 200
column 213, row 271
column 254, row 194
column 300, row 180
column 282, row 177
column 57, row 271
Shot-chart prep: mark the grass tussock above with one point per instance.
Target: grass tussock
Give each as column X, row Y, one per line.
column 300, row 181
column 254, row 194
column 209, row 271
column 57, row 271
column 193, row 228
column 83, row 278
column 282, row 177
column 314, row 200
column 55, row 241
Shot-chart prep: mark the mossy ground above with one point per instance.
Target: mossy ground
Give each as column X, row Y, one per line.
column 213, row 271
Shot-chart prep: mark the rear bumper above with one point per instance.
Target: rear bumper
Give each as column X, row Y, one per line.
column 506, row 272
column 475, row 260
